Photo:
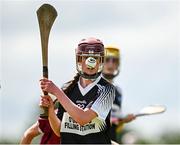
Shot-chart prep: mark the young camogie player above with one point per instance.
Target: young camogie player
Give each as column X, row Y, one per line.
column 86, row 101
column 110, row 71
column 42, row 126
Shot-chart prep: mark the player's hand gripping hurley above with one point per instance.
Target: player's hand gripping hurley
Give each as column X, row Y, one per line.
column 46, row 16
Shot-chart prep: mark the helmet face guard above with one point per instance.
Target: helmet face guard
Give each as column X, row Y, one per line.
column 112, row 54
column 86, row 51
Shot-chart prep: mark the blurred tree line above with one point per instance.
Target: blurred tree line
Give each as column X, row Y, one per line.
column 169, row 137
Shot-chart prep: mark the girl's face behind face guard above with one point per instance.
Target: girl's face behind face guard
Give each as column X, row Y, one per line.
column 90, row 60
column 111, row 65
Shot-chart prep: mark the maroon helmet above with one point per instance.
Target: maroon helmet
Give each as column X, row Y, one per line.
column 92, row 49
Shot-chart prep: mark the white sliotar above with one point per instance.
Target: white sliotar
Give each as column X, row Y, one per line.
column 91, row 62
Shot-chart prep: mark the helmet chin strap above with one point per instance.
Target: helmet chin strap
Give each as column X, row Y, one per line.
column 90, row 77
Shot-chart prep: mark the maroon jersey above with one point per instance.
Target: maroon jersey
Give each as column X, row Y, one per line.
column 49, row 137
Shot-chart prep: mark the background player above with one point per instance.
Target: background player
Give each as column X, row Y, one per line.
column 110, row 71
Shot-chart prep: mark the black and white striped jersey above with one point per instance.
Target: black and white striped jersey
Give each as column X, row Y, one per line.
column 99, row 96
column 116, row 111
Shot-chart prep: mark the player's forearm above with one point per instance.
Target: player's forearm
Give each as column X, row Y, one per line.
column 79, row 115
column 30, row 134
column 26, row 139
column 54, row 122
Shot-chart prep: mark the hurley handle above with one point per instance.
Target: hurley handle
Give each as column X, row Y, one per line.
column 44, row 113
